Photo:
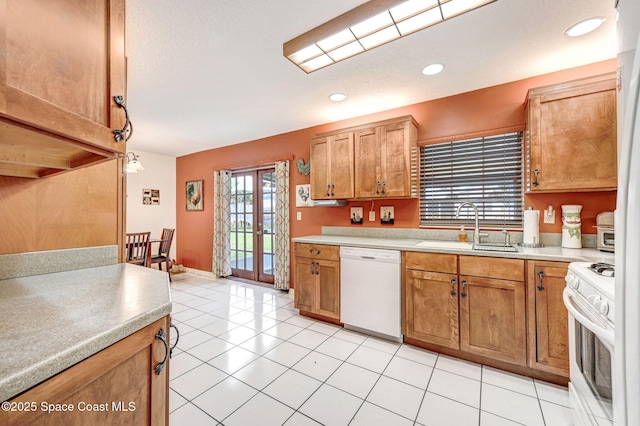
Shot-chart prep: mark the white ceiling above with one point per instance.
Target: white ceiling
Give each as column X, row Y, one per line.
column 208, row 73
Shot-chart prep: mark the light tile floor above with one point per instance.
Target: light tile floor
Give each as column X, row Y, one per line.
column 246, row 357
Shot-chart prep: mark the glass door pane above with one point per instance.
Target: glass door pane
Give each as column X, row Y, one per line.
column 267, row 220
column 242, row 229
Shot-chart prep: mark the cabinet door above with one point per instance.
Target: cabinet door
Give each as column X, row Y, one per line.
column 492, row 319
column 431, row 307
column 573, row 138
column 320, row 169
column 341, row 166
column 63, row 63
column 395, row 160
column 328, row 288
column 548, row 331
column 368, row 163
column 305, row 284
column 120, row 381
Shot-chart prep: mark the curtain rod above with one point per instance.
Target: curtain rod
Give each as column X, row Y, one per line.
column 258, row 166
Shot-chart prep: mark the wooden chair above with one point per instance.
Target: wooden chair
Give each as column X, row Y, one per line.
column 137, row 248
column 163, row 251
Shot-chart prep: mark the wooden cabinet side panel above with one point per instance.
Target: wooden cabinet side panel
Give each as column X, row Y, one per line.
column 492, row 319
column 113, row 378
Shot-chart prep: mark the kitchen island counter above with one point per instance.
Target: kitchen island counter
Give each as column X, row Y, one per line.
column 53, row 321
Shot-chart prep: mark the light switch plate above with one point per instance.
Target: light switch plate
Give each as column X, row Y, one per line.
column 372, row 216
column 299, row 215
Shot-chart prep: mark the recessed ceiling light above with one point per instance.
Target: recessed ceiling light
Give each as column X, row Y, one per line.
column 584, row 27
column 337, row 97
column 432, row 69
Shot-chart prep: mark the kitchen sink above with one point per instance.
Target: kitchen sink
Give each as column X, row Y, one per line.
column 495, row 247
column 445, row 244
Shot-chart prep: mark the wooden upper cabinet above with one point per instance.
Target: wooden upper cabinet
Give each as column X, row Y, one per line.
column 62, row 64
column 571, row 136
column 548, row 317
column 375, row 160
column 386, row 159
column 332, row 167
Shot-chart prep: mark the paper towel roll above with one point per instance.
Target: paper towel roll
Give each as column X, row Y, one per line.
column 531, row 232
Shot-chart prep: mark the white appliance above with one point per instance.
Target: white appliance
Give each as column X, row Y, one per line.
column 626, row 392
column 370, row 291
column 589, row 298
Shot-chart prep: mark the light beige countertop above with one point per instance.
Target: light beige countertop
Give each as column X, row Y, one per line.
column 551, row 253
column 53, row 321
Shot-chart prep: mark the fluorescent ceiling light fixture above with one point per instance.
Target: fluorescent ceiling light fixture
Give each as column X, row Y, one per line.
column 584, row 27
column 368, row 26
column 133, row 164
column 432, row 69
column 337, row 97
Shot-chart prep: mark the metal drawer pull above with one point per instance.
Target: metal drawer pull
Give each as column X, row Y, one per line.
column 127, row 131
column 541, row 275
column 462, row 293
column 162, row 335
column 453, row 287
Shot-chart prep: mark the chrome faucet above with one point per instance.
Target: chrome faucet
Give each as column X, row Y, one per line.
column 476, row 231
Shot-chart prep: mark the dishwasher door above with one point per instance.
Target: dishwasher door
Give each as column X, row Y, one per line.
column 370, row 281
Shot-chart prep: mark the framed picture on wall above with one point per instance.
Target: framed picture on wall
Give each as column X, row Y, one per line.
column 303, row 195
column 151, row 196
column 195, row 195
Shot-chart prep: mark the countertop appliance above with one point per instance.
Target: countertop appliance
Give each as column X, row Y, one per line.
column 605, row 232
column 370, row 291
column 589, row 298
column 626, row 390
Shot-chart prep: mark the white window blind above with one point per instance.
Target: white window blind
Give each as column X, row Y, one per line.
column 485, row 171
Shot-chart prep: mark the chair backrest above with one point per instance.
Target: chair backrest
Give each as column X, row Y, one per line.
column 165, row 245
column 137, row 246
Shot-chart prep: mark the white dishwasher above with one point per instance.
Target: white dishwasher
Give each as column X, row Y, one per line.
column 370, row 291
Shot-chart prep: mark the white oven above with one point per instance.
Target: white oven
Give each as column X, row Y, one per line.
column 589, row 298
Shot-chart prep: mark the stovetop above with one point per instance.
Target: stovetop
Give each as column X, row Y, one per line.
column 595, row 284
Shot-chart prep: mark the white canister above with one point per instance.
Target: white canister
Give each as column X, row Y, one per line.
column 571, row 226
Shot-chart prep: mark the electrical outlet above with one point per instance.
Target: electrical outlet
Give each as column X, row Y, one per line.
column 549, row 216
column 372, row 216
column 299, row 216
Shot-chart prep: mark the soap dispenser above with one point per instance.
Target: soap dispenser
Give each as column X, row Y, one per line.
column 462, row 235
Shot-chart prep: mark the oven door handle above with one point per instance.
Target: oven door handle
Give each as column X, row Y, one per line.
column 575, row 309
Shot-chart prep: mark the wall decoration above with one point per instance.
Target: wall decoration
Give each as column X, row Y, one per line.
column 356, row 216
column 386, row 215
column 151, row 197
column 304, row 169
column 195, row 195
column 303, row 195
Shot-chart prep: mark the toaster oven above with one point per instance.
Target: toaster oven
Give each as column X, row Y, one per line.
column 606, row 232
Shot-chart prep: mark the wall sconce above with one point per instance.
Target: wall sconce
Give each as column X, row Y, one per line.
column 368, row 26
column 133, row 164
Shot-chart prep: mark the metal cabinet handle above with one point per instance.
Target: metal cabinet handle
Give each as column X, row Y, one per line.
column 162, row 335
column 312, row 265
column 332, row 188
column 328, row 193
column 541, row 275
column 172, row 325
column 383, row 185
column 462, row 293
column 453, row 287
column 127, row 131
column 535, row 182
column 377, row 188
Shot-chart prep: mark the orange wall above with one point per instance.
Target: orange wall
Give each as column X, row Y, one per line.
column 489, row 108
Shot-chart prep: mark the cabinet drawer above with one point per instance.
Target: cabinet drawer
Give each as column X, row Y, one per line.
column 492, row 267
column 435, row 262
column 318, row 251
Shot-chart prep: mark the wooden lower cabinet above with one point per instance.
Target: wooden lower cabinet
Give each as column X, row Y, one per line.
column 548, row 317
column 431, row 298
column 116, row 386
column 317, row 284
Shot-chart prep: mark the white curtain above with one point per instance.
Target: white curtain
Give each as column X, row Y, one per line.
column 222, row 223
column 281, row 243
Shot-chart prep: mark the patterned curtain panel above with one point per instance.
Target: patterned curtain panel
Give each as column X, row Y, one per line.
column 222, row 223
column 281, row 242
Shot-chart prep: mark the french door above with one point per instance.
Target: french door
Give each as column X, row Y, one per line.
column 253, row 202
